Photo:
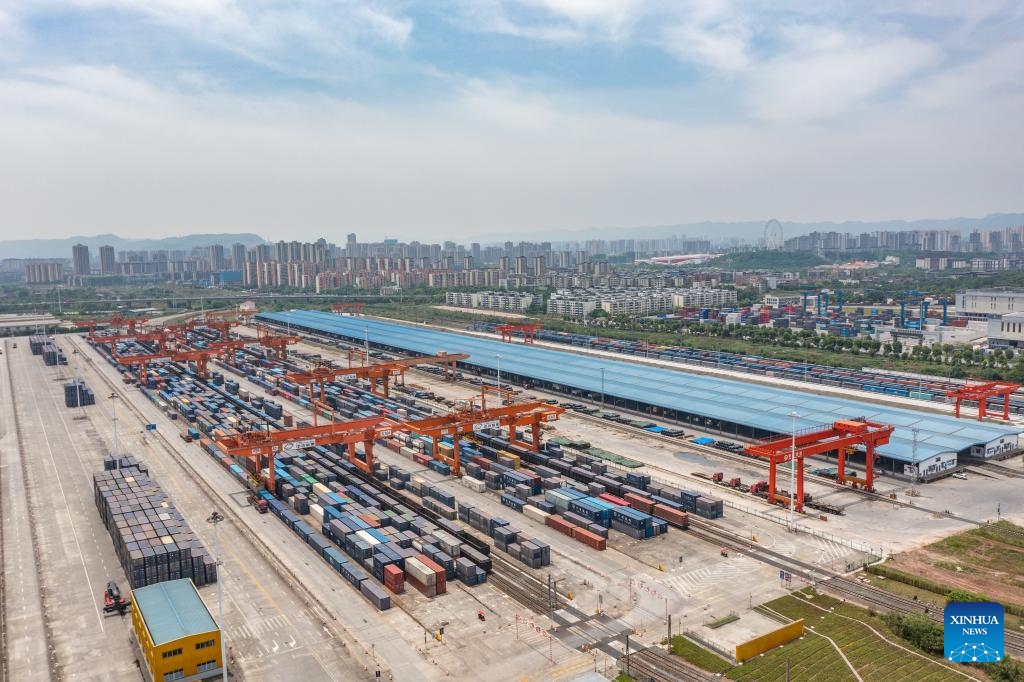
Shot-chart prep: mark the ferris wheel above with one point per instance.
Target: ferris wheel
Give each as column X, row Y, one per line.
column 773, row 236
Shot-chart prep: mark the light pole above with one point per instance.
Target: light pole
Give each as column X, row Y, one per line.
column 792, row 472
column 602, row 388
column 215, row 518
column 366, row 345
column 498, row 357
column 113, row 406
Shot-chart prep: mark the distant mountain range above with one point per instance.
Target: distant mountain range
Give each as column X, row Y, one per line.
column 61, row 248
column 753, row 231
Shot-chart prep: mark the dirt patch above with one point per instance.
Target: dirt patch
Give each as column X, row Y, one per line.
column 970, row 561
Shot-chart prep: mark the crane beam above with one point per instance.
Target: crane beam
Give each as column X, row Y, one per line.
column 841, row 437
column 259, row 444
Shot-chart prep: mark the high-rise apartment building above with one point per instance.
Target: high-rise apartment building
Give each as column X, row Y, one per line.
column 108, row 266
column 80, row 259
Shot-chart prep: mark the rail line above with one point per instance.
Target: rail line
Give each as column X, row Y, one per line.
column 997, row 469
column 864, row 594
column 301, row 591
column 654, row 664
column 524, row 588
column 823, row 579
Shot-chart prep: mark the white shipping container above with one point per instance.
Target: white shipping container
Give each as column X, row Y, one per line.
column 367, row 538
column 406, row 452
column 474, row 484
column 414, row 568
column 317, row 512
column 535, row 514
column 320, row 489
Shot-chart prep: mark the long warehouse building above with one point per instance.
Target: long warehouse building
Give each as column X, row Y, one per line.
column 923, row 445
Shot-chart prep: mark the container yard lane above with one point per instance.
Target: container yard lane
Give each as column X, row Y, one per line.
column 74, row 552
column 25, row 637
column 273, row 627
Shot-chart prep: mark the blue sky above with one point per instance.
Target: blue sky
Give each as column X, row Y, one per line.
column 463, row 118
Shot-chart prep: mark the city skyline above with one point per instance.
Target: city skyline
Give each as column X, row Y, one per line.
column 458, row 120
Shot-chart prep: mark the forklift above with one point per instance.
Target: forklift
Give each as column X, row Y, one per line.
column 113, row 601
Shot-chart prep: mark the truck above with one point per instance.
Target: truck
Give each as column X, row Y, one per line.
column 258, row 502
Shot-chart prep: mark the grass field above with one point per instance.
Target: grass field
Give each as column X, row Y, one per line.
column 872, row 657
column 813, row 658
column 699, row 656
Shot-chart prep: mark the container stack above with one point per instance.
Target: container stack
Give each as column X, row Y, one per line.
column 77, row 394
column 53, row 355
column 151, row 539
column 36, row 343
column 425, row 575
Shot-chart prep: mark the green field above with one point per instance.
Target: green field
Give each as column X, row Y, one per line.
column 699, row 656
column 814, row 658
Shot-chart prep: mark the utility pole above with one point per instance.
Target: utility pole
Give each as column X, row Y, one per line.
column 113, row 419
column 498, row 356
column 602, row 388
column 792, row 473
column 215, row 518
column 627, row 653
column 366, row 345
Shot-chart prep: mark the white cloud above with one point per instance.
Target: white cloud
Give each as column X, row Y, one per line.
column 122, row 155
column 973, row 84
column 841, row 73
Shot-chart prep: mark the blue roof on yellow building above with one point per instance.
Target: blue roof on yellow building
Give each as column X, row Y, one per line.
column 173, row 610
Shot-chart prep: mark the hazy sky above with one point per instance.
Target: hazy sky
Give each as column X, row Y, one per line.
column 454, row 118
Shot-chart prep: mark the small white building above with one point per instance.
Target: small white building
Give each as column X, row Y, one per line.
column 782, row 300
column 1006, row 331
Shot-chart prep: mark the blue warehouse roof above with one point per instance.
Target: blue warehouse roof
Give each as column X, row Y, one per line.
column 733, row 400
column 173, row 610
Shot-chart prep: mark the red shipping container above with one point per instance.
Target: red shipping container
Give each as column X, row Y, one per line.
column 673, row 516
column 589, row 539
column 483, row 462
column 370, row 519
column 607, row 497
column 394, row 579
column 438, row 570
column 640, row 502
column 558, row 523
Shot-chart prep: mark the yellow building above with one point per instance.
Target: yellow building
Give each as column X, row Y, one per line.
column 176, row 634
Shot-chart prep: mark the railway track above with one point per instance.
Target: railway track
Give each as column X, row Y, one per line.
column 997, row 469
column 657, row 665
column 839, row 585
column 865, row 595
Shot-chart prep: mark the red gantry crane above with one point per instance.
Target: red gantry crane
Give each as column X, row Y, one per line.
column 260, row 445
column 278, row 342
column 163, row 338
column 379, row 375
column 117, row 320
column 817, row 441
column 355, row 307
column 529, row 332
column 981, row 393
column 471, row 419
column 143, row 360
column 217, row 321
